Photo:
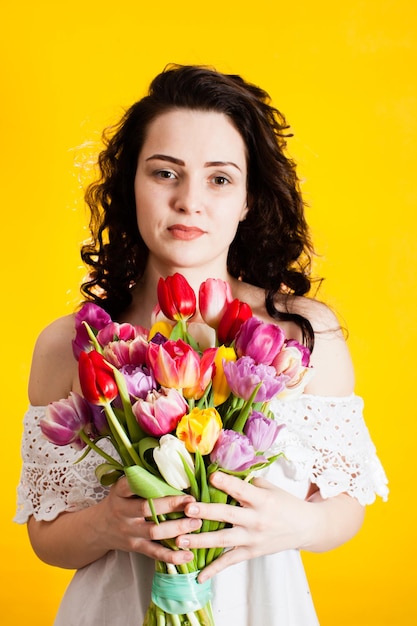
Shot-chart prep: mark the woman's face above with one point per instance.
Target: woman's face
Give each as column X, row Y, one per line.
column 190, row 190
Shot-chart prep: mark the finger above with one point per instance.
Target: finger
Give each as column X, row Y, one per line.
column 230, row 557
column 225, row 513
column 165, row 506
column 226, row 538
column 122, row 489
column 169, row 529
column 159, row 552
column 245, row 493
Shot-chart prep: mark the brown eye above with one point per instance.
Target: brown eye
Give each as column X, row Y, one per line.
column 166, row 174
column 220, row 180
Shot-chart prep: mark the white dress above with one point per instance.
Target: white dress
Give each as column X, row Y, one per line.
column 325, row 441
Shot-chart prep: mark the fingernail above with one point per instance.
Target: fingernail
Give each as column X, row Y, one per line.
column 217, row 478
column 195, row 523
column 192, row 509
column 183, row 542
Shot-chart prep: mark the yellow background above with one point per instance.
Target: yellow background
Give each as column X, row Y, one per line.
column 344, row 75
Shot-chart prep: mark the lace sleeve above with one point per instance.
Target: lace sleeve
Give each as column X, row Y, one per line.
column 50, row 483
column 327, row 441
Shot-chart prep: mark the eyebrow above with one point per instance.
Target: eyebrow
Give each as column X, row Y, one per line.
column 171, row 159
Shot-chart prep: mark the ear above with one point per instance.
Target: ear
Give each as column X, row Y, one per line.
column 244, row 213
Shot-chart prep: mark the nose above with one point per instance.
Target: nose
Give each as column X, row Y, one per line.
column 188, row 196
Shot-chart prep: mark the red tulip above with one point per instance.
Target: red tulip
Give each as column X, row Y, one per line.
column 236, row 313
column 176, row 298
column 96, row 378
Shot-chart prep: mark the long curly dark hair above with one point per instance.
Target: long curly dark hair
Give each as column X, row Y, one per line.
column 272, row 247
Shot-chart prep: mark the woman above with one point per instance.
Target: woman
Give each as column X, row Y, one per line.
column 195, row 180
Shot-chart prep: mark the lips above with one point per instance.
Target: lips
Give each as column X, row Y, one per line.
column 186, row 233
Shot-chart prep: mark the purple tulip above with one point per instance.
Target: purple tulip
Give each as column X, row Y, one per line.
column 259, row 340
column 65, row 419
column 244, row 375
column 234, row 452
column 96, row 317
column 99, row 420
column 139, row 381
column 261, row 431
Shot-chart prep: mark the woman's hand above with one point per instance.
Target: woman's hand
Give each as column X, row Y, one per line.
column 118, row 522
column 127, row 525
column 269, row 520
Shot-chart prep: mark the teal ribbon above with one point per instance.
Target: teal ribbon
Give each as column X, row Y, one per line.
column 178, row 594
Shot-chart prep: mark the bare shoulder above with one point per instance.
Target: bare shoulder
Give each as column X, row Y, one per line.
column 320, row 316
column 333, row 371
column 330, row 359
column 53, row 367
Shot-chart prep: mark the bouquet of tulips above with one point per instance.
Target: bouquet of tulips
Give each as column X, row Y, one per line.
column 177, row 404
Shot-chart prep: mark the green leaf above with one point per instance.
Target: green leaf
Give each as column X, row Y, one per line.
column 107, row 474
column 194, row 490
column 202, row 477
column 146, row 485
column 144, row 446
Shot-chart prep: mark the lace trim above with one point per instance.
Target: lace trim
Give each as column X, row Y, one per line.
column 325, row 441
column 50, row 482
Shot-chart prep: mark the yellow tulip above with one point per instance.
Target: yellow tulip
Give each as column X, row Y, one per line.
column 221, row 389
column 165, row 328
column 200, row 429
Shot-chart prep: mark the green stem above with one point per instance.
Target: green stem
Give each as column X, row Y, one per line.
column 121, row 433
column 99, row 451
column 134, row 430
column 203, row 400
column 240, row 422
column 93, row 338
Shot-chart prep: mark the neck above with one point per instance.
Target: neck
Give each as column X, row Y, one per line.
column 145, row 292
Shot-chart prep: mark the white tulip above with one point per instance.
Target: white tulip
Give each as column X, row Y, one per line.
column 168, row 459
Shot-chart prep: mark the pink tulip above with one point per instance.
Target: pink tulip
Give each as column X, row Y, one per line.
column 289, row 363
column 305, row 352
column 65, row 419
column 174, row 364
column 206, row 369
column 214, row 296
column 131, row 352
column 259, row 340
column 160, row 412
column 119, row 332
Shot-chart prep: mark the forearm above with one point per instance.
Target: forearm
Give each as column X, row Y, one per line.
column 118, row 522
column 332, row 522
column 71, row 541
